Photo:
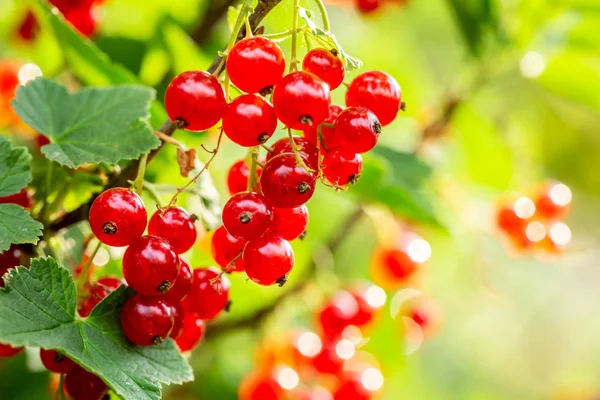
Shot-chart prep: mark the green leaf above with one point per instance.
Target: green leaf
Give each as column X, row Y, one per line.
column 396, row 180
column 15, row 168
column 17, row 226
column 91, row 125
column 177, row 42
column 37, row 308
column 477, row 20
column 327, row 40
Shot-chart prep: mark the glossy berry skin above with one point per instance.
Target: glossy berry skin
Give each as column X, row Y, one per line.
column 366, row 311
column 378, row 92
column 289, row 223
column 285, row 184
column 237, row 177
column 368, row 6
column 99, row 290
column 268, row 260
column 150, row 266
column 83, row 385
column 147, row 320
column 326, row 65
column 338, row 314
column 118, row 217
column 255, row 65
column 351, row 388
column 260, row 385
column 178, row 316
column 11, row 258
column 196, row 100
column 249, row 120
column 247, row 216
column 7, row 350
column 356, row 130
column 23, row 199
column 56, row 362
column 552, row 207
column 306, row 149
column 327, row 132
column 206, row 300
column 183, row 283
column 341, row 167
column 175, row 226
column 82, row 19
column 224, row 248
column 191, row 334
column 301, row 100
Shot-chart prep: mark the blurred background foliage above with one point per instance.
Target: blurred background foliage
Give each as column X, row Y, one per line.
column 501, row 95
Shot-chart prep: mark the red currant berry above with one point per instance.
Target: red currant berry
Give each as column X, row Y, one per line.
column 329, row 360
column 192, row 333
column 195, row 100
column 83, row 385
column 56, row 362
column 183, row 283
column 286, row 184
column 178, row 315
column 341, row 167
column 553, row 201
column 260, row 385
column 249, row 120
column 378, row 92
column 147, row 320
column 326, row 65
column 353, row 388
column 255, row 65
column 338, row 314
column 368, row 6
column 206, row 300
column 237, row 177
column 82, row 19
column 247, row 216
column 356, row 130
column 328, row 142
column 23, row 199
column 370, row 298
column 289, row 223
column 150, row 266
column 29, row 27
column 304, row 146
column 11, row 258
column 118, row 217
column 99, row 290
column 7, row 350
column 301, row 100
column 175, row 226
column 224, row 248
column 268, row 260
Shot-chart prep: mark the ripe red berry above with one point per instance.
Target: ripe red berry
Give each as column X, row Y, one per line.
column 23, row 199
column 237, row 177
column 301, row 100
column 341, row 167
column 328, row 142
column 356, row 130
column 378, row 92
column 56, row 362
column 304, row 146
column 178, row 316
column 326, row 65
column 150, row 266
column 352, row 388
column 286, row 184
column 369, row 298
column 99, row 290
column 83, row 385
column 183, row 283
column 191, row 334
column 82, row 19
column 255, row 65
column 249, row 120
column 328, row 360
column 147, row 320
column 196, row 100
column 206, row 300
column 118, row 217
column 7, row 350
column 247, row 216
column 224, row 248
column 338, row 314
column 368, row 6
column 175, row 226
column 11, row 258
column 29, row 27
column 260, row 385
column 268, row 260
column 289, row 223
column 553, row 201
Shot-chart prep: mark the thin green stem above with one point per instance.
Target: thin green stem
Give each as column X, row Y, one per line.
column 148, row 187
column 241, row 20
column 139, row 179
column 296, row 151
column 253, row 178
column 60, row 197
column 60, row 391
column 280, row 35
column 294, row 60
column 84, row 271
column 48, row 250
column 324, row 15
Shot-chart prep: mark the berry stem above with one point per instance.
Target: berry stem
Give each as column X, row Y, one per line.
column 324, row 16
column 299, row 159
column 81, row 279
column 169, row 139
column 60, row 391
column 226, row 269
column 280, row 36
column 153, row 193
column 241, row 20
column 139, row 179
column 253, row 177
column 266, row 147
column 294, row 60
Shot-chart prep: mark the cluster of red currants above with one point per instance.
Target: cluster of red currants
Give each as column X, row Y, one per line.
column 324, row 364
column 371, row 6
column 267, row 207
column 80, row 13
column 535, row 223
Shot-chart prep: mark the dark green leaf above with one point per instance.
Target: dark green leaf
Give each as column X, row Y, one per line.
column 17, row 226
column 91, row 125
column 15, row 169
column 37, row 308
